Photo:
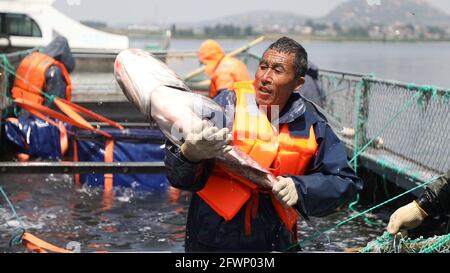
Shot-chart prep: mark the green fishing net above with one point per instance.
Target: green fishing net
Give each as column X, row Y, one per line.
column 388, row 243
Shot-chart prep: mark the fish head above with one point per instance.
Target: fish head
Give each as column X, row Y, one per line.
column 139, row 73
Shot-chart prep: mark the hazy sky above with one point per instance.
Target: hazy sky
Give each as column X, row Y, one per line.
column 176, row 11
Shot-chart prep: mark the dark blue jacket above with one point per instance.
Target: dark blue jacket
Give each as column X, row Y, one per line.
column 328, row 183
column 54, row 81
column 312, row 88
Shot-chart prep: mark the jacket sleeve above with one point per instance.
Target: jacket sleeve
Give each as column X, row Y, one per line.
column 186, row 175
column 436, row 198
column 183, row 174
column 329, row 181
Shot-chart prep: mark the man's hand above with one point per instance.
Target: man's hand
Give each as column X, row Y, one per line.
column 285, row 191
column 408, row 217
column 209, row 142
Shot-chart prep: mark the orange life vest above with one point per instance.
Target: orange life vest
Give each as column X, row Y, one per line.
column 224, row 71
column 228, row 71
column 30, row 77
column 280, row 153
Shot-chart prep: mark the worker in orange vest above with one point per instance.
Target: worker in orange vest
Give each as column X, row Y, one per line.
column 46, row 71
column 295, row 143
column 224, row 71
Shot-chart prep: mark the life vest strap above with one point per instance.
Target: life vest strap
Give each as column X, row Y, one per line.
column 289, row 216
column 76, row 159
column 251, row 210
column 108, row 191
column 27, row 105
column 72, row 109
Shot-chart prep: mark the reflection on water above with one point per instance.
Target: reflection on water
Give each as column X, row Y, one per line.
column 53, row 209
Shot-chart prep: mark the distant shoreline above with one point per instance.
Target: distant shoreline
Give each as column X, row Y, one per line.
column 268, row 36
column 314, row 38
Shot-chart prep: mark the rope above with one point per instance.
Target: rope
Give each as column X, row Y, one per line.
column 17, row 238
column 362, row 213
column 388, row 243
column 30, row 241
column 12, row 208
column 351, row 208
column 437, row 245
column 359, row 120
column 426, row 89
column 5, row 63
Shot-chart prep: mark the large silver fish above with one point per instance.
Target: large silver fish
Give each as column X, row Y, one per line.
column 163, row 97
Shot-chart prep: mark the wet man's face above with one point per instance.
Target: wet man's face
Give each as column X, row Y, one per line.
column 275, row 79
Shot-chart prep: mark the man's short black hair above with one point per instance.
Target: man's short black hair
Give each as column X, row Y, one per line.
column 288, row 46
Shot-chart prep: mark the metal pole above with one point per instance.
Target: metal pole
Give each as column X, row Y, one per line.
column 81, row 167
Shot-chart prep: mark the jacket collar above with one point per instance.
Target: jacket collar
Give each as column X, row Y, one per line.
column 294, row 108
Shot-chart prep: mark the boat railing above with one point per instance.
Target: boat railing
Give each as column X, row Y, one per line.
column 81, row 167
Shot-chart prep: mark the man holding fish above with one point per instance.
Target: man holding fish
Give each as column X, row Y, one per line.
column 287, row 136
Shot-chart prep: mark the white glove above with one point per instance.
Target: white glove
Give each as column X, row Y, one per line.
column 408, row 217
column 284, row 190
column 209, row 142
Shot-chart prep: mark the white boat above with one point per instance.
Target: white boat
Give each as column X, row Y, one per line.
column 32, row 23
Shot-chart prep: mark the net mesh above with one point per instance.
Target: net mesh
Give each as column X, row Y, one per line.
column 399, row 244
column 417, row 143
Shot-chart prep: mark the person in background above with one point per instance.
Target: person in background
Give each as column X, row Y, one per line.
column 228, row 212
column 312, row 89
column 224, row 71
column 434, row 201
column 47, row 71
column 55, row 77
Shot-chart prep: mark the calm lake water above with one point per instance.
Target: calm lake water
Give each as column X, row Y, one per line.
column 420, row 63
